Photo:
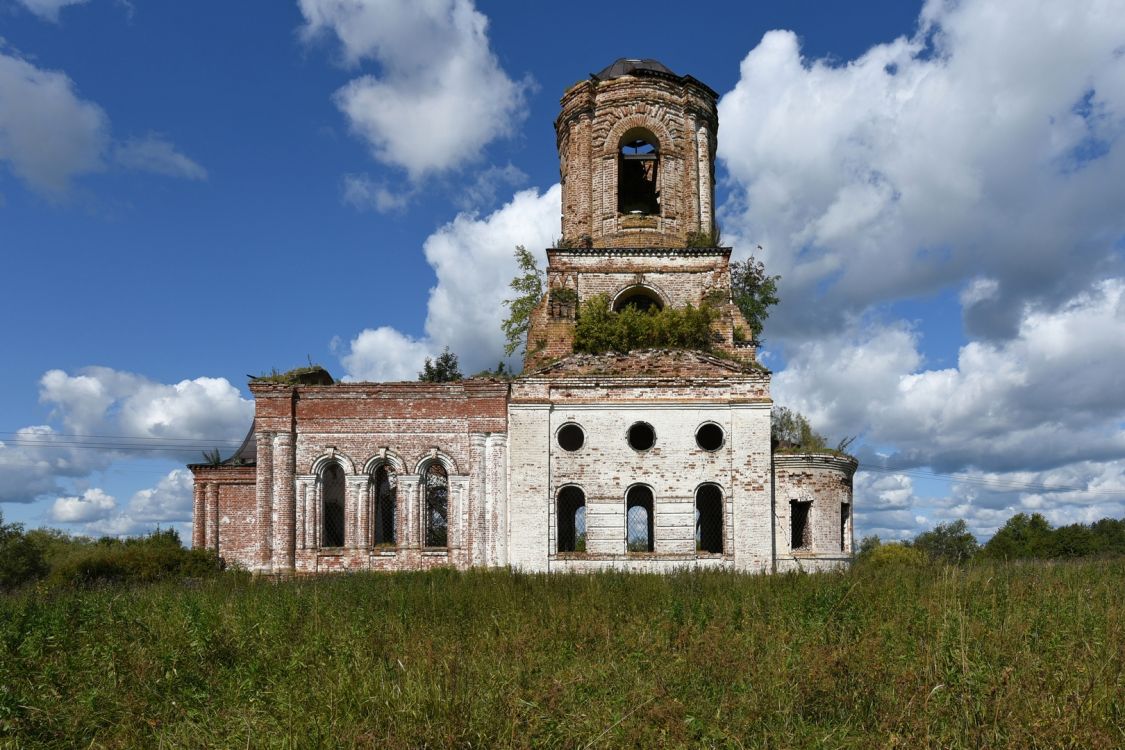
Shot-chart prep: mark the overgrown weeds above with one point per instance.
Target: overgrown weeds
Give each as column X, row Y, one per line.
column 1020, row 656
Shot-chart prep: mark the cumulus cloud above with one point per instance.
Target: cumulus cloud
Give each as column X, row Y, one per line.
column 1048, row 397
column 168, row 503
column 49, row 135
column 155, row 154
column 109, row 414
column 92, row 505
column 474, row 263
column 441, row 95
column 989, row 144
column 48, row 9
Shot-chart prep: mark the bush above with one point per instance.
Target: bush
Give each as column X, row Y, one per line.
column 895, row 555
column 21, row 561
column 600, row 329
column 154, row 557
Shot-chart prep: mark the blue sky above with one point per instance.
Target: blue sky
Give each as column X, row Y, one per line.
column 190, row 193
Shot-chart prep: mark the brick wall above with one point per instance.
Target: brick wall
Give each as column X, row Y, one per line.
column 825, row 481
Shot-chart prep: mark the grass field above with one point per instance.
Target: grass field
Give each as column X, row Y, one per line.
column 1019, row 656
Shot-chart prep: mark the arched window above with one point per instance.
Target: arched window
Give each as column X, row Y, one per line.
column 332, row 484
column 638, row 520
column 642, row 298
column 709, row 519
column 383, row 495
column 435, row 485
column 570, row 520
column 638, row 161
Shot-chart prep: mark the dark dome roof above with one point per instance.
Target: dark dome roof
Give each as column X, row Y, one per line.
column 625, row 66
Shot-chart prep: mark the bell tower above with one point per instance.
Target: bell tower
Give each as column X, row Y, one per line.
column 637, row 156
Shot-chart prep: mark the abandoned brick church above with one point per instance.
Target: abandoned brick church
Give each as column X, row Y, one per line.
column 649, row 460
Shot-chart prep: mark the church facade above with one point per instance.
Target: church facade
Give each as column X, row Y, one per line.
column 652, row 460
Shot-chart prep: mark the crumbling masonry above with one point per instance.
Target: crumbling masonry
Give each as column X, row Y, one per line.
column 650, row 460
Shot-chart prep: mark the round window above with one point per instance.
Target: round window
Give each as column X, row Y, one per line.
column 709, row 436
column 571, row 437
column 641, row 436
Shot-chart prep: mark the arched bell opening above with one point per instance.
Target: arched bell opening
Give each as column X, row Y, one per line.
column 641, row 297
column 638, row 165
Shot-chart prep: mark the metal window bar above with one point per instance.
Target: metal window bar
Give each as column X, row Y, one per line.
column 709, row 519
column 570, row 520
column 386, row 490
column 333, row 486
column 638, row 520
column 437, row 506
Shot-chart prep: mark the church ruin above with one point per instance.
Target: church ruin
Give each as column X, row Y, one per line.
column 652, row 460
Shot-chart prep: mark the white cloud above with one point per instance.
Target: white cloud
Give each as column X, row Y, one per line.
column 168, row 503
column 362, row 192
column 49, row 9
column 474, row 263
column 1049, row 397
column 383, row 353
column 441, row 95
column 155, row 154
column 48, row 135
column 93, row 505
column 99, row 401
column 988, row 145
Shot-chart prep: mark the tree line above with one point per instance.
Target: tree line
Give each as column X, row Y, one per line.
column 1023, row 537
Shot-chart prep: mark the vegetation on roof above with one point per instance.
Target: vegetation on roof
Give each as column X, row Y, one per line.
column 308, row 375
column 601, row 329
column 791, row 433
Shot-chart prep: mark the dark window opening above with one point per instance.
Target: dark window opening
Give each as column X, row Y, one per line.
column 845, row 516
column 800, row 536
column 436, row 488
column 709, row 519
column 637, row 169
column 709, row 437
column 384, row 516
column 571, row 520
column 571, row 437
column 641, row 436
column 638, row 520
column 640, row 298
column 333, row 494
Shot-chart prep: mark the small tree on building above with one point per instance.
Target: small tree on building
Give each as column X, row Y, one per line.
column 444, row 369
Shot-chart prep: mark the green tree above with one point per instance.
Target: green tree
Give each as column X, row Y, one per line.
column 754, row 291
column 444, row 369
column 21, row 561
column 1023, row 536
column 528, row 286
column 867, row 546
column 948, row 542
column 790, row 429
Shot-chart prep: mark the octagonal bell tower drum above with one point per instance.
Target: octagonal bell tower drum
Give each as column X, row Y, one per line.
column 637, row 155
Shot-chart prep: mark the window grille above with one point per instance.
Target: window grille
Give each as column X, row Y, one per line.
column 570, row 520
column 709, row 519
column 385, row 492
column 333, row 493
column 638, row 520
column 437, row 506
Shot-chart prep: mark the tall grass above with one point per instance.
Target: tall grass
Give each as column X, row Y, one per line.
column 1020, row 656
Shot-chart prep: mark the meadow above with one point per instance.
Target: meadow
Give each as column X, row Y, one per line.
column 1001, row 655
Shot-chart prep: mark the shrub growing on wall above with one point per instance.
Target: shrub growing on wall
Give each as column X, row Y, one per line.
column 600, row 329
